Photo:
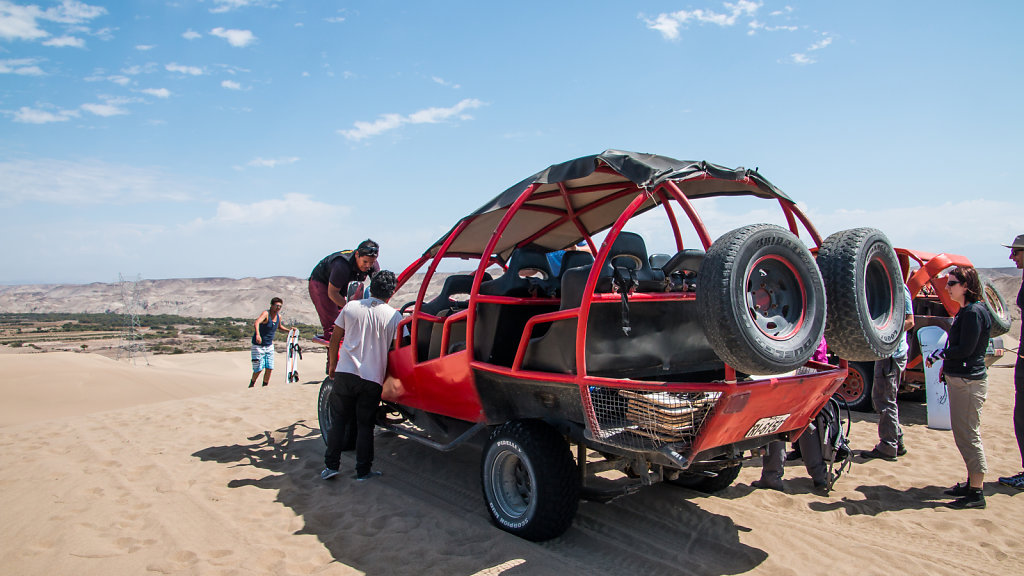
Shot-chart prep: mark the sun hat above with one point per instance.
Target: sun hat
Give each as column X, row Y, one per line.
column 1018, row 242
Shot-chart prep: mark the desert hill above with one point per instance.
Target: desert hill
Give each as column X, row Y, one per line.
column 190, row 297
column 246, row 297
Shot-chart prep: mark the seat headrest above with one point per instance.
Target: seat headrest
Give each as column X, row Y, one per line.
column 528, row 257
column 629, row 244
column 574, row 258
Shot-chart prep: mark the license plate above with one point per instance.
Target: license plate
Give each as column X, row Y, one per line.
column 769, row 425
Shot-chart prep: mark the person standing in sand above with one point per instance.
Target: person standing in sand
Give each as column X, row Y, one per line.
column 1017, row 480
column 268, row 323
column 885, row 388
column 358, row 359
column 966, row 380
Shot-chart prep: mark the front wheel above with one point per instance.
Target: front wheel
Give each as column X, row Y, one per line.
column 856, row 389
column 323, row 408
column 529, row 480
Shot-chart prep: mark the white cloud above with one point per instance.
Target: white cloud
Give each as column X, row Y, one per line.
column 237, row 38
column 272, row 162
column 120, row 80
column 27, row 115
column 181, row 69
column 144, row 47
column 65, row 182
column 147, row 68
column 191, row 34
column 668, row 24
column 74, row 12
column 65, row 41
column 21, row 67
column 335, row 19
column 106, row 110
column 158, row 92
column 231, row 85
column 443, row 82
column 387, row 122
column 801, row 59
column 19, row 22
column 229, row 5
column 823, row 43
column 299, row 210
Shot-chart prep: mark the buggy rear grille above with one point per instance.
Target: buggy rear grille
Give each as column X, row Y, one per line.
column 641, row 420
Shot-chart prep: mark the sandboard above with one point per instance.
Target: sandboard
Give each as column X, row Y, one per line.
column 933, row 338
column 294, row 355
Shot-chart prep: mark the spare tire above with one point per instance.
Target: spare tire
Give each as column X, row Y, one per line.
column 865, row 294
column 996, row 307
column 761, row 300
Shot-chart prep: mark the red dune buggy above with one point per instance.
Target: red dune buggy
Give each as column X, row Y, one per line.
column 673, row 366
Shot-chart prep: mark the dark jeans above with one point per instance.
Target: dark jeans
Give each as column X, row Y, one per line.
column 352, row 400
column 1018, row 405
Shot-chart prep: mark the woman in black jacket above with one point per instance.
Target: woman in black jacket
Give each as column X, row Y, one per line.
column 967, row 380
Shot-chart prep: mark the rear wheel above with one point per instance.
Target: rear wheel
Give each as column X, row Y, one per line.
column 529, row 480
column 761, row 300
column 709, row 484
column 996, row 307
column 856, row 389
column 865, row 294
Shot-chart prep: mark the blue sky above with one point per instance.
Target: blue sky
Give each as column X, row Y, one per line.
column 250, row 138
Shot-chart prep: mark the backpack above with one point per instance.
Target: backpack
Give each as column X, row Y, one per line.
column 835, row 429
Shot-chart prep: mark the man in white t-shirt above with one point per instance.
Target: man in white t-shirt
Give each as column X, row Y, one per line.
column 358, row 359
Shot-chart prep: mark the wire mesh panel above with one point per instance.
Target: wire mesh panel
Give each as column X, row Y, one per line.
column 648, row 420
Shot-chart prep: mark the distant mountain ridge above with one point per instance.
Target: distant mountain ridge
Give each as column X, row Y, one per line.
column 247, row 297
column 191, row 297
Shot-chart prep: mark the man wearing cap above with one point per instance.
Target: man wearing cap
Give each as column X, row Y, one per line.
column 329, row 281
column 1017, row 480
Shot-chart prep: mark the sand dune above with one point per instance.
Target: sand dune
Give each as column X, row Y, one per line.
column 177, row 468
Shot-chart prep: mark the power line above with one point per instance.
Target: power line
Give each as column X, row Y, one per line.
column 132, row 343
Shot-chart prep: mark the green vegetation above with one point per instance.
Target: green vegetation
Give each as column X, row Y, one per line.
column 163, row 333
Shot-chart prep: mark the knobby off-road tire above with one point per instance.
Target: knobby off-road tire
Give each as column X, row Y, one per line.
column 856, row 389
column 761, row 300
column 865, row 294
column 709, row 484
column 323, row 408
column 530, row 480
column 996, row 307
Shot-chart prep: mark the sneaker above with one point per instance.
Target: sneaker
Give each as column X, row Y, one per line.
column 874, row 453
column 369, row 476
column 901, row 450
column 958, row 490
column 1016, row 481
column 975, row 498
column 328, row 473
column 767, row 485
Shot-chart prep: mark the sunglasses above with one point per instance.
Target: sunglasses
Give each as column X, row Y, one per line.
column 1015, row 251
column 369, row 252
column 952, row 282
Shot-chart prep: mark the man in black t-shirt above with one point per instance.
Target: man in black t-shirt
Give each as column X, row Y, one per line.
column 330, row 279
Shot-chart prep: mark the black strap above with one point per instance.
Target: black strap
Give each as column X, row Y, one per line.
column 624, row 286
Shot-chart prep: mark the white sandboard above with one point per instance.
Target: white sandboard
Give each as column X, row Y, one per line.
column 294, row 355
column 933, row 338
